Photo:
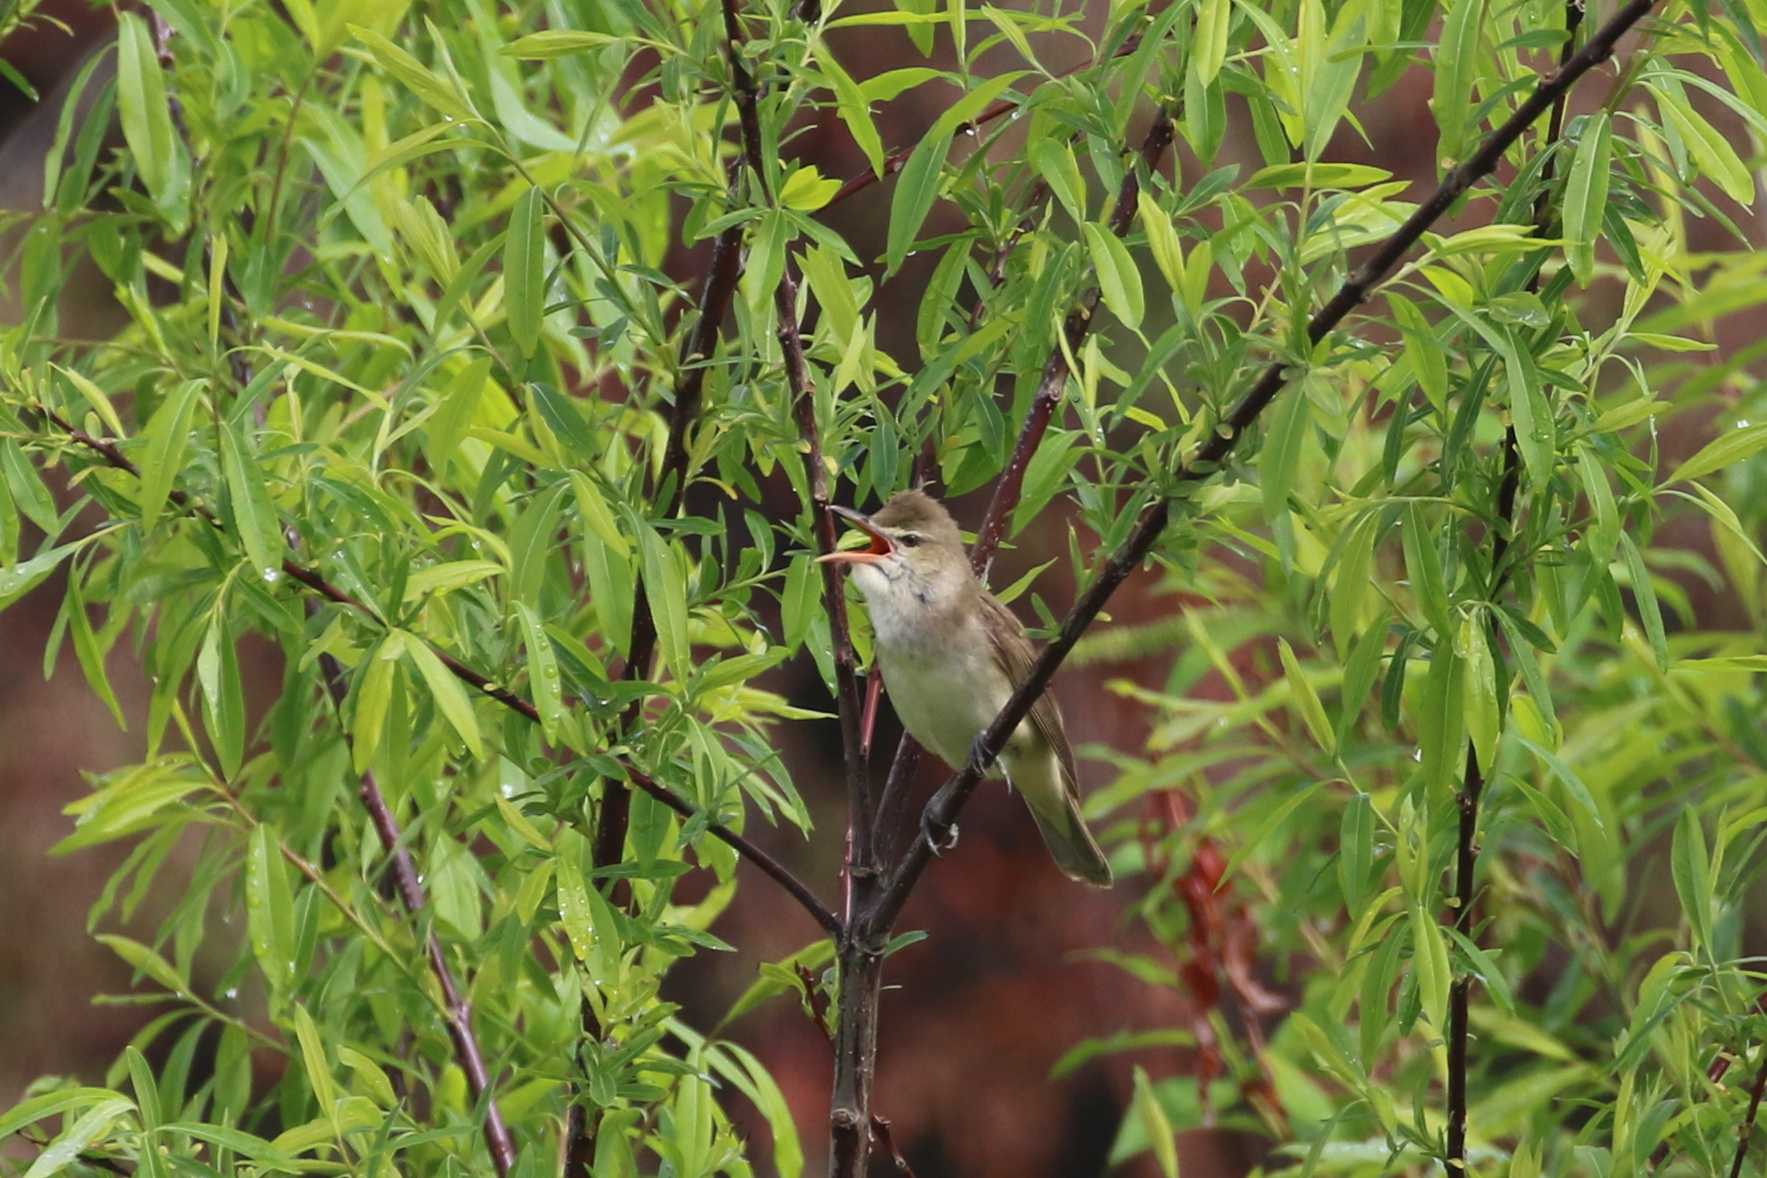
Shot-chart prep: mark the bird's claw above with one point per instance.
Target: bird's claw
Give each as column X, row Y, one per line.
column 939, row 837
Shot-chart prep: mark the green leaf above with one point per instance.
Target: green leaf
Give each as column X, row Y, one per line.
column 223, row 695
column 50, row 1104
column 1429, row 958
column 1457, row 68
column 269, row 908
column 1729, row 448
column 1209, row 45
column 1691, row 868
column 1356, row 851
column 524, row 270
column 1480, row 689
column 1650, row 615
column 374, row 695
column 1604, row 537
column 1534, row 432
column 145, row 960
column 1145, row 1107
column 146, row 115
column 28, row 491
column 313, row 1059
column 543, row 677
column 551, row 43
column 19, row 579
column 449, row 693
column 1429, row 362
column 162, row 458
column 1301, row 693
column 92, row 1126
column 88, row 651
column 665, row 588
column 1281, row 453
column 94, row 397
column 435, row 90
column 1162, row 240
column 1585, row 199
column 799, row 601
column 916, row 189
column 1119, row 280
column 852, row 108
column 248, row 500
column 1055, row 162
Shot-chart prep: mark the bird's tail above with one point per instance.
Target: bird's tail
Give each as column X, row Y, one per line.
column 1070, row 844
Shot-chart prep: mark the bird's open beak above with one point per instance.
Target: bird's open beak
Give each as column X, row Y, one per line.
column 879, row 548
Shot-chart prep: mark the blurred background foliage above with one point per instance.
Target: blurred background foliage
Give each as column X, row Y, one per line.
column 391, row 302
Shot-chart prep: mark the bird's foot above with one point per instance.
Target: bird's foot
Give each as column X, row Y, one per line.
column 979, row 757
column 939, row 837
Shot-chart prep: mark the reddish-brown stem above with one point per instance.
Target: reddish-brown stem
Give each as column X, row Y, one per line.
column 458, row 1015
column 312, row 580
column 1746, row 1130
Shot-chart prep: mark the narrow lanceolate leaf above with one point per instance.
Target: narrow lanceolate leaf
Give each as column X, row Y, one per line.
column 145, row 113
column 1457, row 67
column 1650, row 615
column 1119, row 281
column 1155, row 1126
column 168, row 432
column 1210, row 45
column 1282, row 452
column 542, row 672
column 916, row 189
column 1162, row 240
column 1429, row 957
column 449, row 693
column 1691, row 868
column 1301, row 693
column 524, row 270
column 665, row 587
column 1534, row 431
column 248, row 495
column 853, row 110
column 439, row 92
column 1480, row 690
column 223, row 696
column 1729, row 448
column 1586, row 194
column 374, row 695
column 269, row 908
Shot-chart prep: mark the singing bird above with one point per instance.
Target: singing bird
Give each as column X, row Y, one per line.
column 951, row 655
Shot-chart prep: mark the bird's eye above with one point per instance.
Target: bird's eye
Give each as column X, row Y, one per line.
column 909, row 540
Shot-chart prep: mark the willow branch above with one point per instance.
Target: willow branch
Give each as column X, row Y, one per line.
column 311, row 579
column 696, row 355
column 1044, row 401
column 458, row 1016
column 1472, row 780
column 942, row 811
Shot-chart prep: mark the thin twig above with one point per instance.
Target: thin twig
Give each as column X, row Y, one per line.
column 458, row 1015
column 1473, row 781
column 942, row 811
column 311, row 579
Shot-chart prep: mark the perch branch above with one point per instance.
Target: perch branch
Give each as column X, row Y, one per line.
column 1745, row 1130
column 942, row 811
column 1010, row 484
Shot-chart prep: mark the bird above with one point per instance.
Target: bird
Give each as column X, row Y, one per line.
column 951, row 655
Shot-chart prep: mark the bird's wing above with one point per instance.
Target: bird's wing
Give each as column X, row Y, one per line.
column 1014, row 654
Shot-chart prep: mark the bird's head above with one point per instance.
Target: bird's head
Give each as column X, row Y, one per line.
column 914, row 545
